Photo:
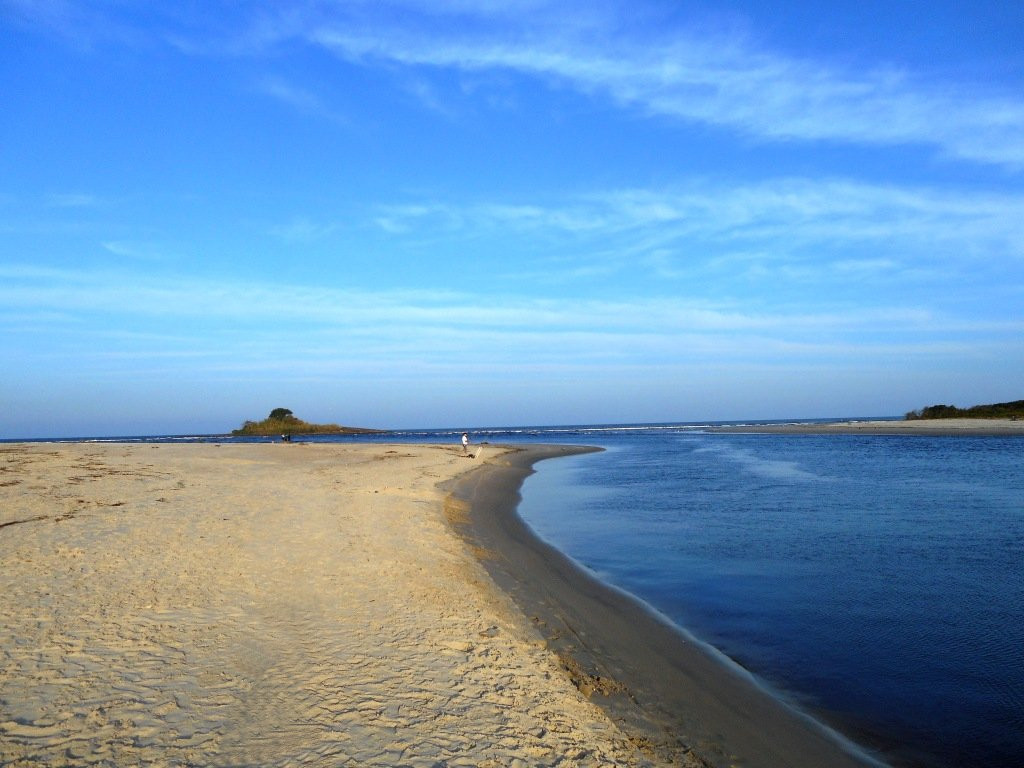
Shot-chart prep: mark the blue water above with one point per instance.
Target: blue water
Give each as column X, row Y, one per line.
column 877, row 581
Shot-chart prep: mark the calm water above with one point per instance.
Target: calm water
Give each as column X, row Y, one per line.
column 876, row 580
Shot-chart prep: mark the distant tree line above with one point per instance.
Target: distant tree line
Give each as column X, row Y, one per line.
column 282, row 421
column 1014, row 410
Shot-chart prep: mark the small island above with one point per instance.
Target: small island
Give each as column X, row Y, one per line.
column 282, row 421
column 1013, row 411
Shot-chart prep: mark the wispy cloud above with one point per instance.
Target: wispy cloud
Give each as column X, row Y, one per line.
column 302, row 229
column 134, row 250
column 73, row 200
column 772, row 220
column 727, row 81
column 427, row 95
column 299, row 98
column 410, row 314
column 126, row 331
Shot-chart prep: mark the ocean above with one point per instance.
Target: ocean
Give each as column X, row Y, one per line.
column 875, row 581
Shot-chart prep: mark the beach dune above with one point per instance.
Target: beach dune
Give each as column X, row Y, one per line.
column 266, row 604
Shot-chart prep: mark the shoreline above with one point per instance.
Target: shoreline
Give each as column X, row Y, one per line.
column 254, row 601
column 932, row 427
column 685, row 702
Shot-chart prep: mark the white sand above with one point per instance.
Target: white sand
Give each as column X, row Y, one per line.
column 1006, row 427
column 940, row 425
column 265, row 604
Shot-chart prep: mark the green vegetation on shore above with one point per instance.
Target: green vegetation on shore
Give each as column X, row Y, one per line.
column 281, row 421
column 1013, row 410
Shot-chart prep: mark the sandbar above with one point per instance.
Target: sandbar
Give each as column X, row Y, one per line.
column 937, row 427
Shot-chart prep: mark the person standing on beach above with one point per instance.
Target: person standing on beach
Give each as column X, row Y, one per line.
column 465, row 443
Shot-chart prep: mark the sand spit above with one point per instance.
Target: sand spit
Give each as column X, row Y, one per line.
column 683, row 701
column 944, row 427
column 270, row 605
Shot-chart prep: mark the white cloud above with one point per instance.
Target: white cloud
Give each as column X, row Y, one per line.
column 424, row 92
column 134, row 331
column 299, row 98
column 280, row 89
column 773, row 219
column 728, row 82
column 723, row 79
column 398, row 313
column 134, row 250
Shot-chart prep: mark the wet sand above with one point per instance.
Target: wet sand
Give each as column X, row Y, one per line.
column 335, row 605
column 686, row 703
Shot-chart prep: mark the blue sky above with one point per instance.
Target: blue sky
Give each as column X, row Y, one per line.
column 459, row 213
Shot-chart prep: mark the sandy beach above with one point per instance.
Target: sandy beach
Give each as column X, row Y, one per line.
column 264, row 605
column 334, row 605
column 945, row 427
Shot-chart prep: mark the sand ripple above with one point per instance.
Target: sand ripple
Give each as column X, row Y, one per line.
column 264, row 605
